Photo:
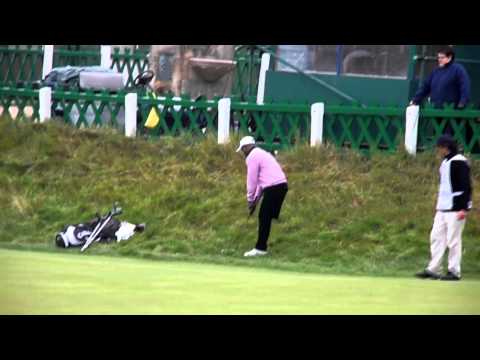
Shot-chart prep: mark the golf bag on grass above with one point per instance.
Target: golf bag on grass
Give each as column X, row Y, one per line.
column 101, row 229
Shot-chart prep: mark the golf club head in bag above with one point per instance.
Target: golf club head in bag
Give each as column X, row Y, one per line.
column 116, row 209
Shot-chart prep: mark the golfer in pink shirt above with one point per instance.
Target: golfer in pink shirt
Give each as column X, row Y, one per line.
column 266, row 178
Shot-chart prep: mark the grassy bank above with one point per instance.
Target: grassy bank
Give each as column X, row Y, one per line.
column 343, row 213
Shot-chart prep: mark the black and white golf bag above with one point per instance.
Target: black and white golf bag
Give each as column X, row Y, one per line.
column 77, row 234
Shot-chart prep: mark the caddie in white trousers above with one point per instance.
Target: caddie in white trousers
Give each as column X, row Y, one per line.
column 453, row 203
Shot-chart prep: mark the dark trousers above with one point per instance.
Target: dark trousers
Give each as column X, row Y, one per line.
column 270, row 209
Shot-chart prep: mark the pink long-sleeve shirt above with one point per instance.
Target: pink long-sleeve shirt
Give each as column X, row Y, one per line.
column 263, row 171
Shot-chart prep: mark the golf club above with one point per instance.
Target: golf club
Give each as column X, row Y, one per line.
column 101, row 224
column 255, row 203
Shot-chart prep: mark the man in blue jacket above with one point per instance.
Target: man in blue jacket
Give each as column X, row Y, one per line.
column 447, row 84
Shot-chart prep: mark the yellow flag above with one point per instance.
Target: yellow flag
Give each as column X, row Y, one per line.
column 152, row 119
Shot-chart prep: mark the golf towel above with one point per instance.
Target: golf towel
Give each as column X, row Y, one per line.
column 125, row 232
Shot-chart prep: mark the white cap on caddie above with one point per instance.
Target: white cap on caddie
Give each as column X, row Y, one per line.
column 247, row 140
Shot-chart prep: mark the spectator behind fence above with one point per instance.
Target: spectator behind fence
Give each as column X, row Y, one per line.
column 449, row 83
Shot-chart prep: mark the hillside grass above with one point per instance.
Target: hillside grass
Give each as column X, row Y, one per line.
column 344, row 212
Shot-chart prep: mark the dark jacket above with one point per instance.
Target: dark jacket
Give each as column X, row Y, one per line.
column 461, row 182
column 448, row 84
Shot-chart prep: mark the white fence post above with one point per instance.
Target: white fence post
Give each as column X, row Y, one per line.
column 106, row 56
column 224, row 120
column 265, row 64
column 131, row 115
column 45, row 102
column 47, row 60
column 411, row 128
column 316, row 129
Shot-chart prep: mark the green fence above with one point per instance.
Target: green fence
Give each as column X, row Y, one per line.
column 463, row 125
column 63, row 57
column 133, row 62
column 20, row 64
column 373, row 128
column 77, row 109
column 90, row 109
column 247, row 71
column 275, row 126
column 19, row 104
column 178, row 116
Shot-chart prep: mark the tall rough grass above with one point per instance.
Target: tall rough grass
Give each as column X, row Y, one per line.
column 343, row 213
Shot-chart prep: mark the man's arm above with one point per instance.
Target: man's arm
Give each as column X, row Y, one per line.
column 423, row 91
column 464, row 83
column 253, row 167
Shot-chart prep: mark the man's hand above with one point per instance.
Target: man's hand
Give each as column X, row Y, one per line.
column 461, row 215
column 251, row 207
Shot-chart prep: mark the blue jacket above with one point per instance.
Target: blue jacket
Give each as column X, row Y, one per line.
column 448, row 84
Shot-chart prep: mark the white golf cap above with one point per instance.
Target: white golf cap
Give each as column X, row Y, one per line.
column 247, row 140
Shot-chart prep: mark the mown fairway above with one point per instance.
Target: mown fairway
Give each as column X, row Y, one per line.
column 47, row 283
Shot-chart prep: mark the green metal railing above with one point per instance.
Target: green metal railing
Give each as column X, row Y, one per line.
column 77, row 109
column 245, row 80
column 23, row 65
column 275, row 126
column 134, row 62
column 463, row 125
column 90, row 109
column 178, row 116
column 63, row 57
column 373, row 128
column 20, row 64
column 19, row 104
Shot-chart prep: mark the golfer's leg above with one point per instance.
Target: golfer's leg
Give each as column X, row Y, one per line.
column 264, row 222
column 454, row 243
column 438, row 242
column 279, row 198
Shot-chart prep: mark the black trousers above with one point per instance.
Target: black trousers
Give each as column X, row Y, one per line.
column 270, row 209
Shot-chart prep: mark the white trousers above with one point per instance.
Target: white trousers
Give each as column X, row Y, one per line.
column 446, row 232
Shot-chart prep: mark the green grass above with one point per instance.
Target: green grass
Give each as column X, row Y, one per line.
column 44, row 283
column 344, row 213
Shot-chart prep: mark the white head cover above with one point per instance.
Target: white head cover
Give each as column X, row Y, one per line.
column 247, row 140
